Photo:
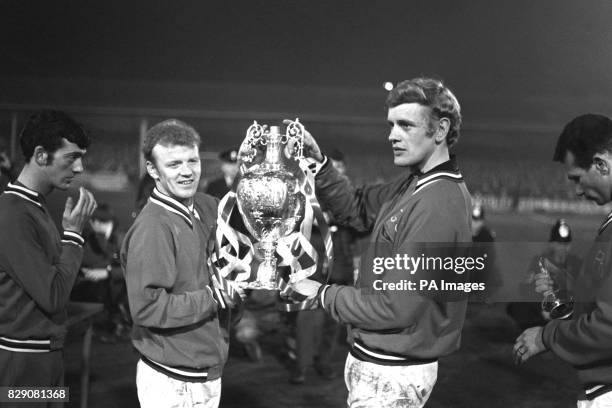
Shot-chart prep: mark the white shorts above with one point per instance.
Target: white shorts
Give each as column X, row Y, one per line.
column 157, row 390
column 379, row 386
column 602, row 401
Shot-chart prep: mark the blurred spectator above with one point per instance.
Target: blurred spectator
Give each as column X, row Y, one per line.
column 229, row 167
column 480, row 230
column 245, row 330
column 484, row 238
column 8, row 172
column 145, row 187
column 562, row 267
column 317, row 334
column 101, row 278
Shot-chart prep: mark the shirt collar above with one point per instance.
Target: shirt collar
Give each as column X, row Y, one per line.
column 448, row 166
column 447, row 170
column 25, row 193
column 172, row 205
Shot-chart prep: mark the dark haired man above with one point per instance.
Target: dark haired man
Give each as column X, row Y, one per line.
column 585, row 148
column 397, row 336
column 172, row 299
column 38, row 265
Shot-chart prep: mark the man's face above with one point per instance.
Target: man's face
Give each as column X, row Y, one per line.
column 339, row 166
column 64, row 164
column 410, row 135
column 229, row 169
column 591, row 184
column 102, row 227
column 176, row 170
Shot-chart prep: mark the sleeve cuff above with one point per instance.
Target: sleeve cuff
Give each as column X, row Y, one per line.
column 315, row 166
column 321, row 295
column 217, row 297
column 71, row 237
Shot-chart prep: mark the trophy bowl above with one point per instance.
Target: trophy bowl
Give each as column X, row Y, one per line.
column 269, row 197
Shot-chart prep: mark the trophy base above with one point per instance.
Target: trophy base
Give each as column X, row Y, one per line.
column 260, row 285
column 562, row 311
column 558, row 308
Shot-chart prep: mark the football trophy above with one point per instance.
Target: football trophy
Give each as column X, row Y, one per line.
column 269, row 195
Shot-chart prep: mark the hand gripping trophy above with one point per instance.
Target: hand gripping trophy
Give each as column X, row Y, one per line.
column 275, row 197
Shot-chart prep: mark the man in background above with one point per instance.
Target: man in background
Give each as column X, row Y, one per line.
column 101, row 279
column 8, row 172
column 484, row 245
column 229, row 167
column 317, row 334
column 585, row 149
column 38, row 265
column 562, row 267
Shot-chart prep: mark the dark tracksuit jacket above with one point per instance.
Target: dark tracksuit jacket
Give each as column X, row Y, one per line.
column 586, row 341
column 399, row 327
column 164, row 256
column 38, row 267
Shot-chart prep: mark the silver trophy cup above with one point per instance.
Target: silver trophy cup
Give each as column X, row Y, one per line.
column 268, row 194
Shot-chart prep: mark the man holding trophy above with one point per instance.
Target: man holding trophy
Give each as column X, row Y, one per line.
column 585, row 148
column 397, row 336
column 170, row 282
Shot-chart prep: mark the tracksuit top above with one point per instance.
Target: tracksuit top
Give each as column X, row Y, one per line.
column 399, row 327
column 165, row 260
column 38, row 267
column 585, row 341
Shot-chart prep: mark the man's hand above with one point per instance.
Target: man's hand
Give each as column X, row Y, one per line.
column 76, row 216
column 95, row 274
column 543, row 283
column 306, row 287
column 311, row 148
column 528, row 344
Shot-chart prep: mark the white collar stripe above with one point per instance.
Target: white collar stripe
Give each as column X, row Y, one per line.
column 25, row 190
column 171, row 209
column 170, row 201
column 436, row 175
column 35, row 202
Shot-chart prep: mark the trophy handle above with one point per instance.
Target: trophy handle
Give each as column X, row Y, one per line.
column 295, row 132
column 254, row 132
column 247, row 151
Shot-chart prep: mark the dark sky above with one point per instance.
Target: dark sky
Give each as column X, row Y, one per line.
column 554, row 47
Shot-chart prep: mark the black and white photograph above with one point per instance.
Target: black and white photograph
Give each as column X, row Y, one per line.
column 291, row 203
